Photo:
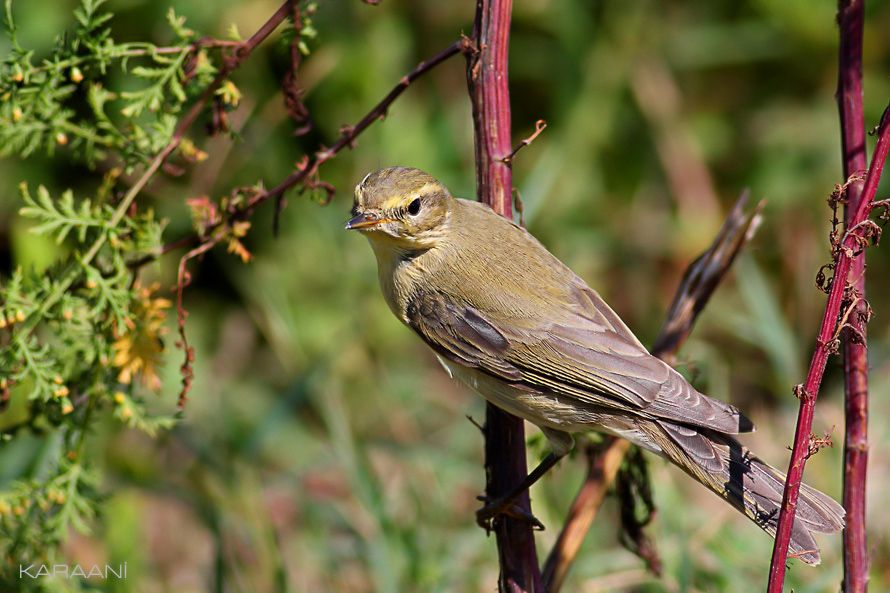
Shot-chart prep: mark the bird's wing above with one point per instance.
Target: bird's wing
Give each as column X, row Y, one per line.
column 588, row 356
column 461, row 334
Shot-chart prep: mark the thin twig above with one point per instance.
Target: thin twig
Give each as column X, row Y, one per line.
column 540, row 126
column 699, row 282
column 602, row 467
column 849, row 95
column 809, row 391
column 183, row 279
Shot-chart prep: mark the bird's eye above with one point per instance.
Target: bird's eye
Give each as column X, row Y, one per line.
column 414, row 207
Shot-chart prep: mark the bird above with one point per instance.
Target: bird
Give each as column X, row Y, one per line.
column 508, row 319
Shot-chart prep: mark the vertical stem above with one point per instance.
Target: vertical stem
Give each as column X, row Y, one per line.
column 505, row 460
column 490, row 95
column 850, row 243
column 849, row 97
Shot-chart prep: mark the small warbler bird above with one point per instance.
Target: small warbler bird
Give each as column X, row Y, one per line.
column 508, row 319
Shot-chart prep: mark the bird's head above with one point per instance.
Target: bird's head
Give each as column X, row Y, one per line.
column 401, row 205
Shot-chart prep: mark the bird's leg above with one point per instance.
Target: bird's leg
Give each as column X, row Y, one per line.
column 504, row 504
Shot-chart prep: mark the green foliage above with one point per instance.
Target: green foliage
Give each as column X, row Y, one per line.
column 83, row 339
column 63, row 99
column 78, row 339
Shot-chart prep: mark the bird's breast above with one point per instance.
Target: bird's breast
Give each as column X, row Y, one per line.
column 399, row 274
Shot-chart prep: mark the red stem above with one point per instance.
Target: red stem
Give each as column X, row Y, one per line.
column 849, row 96
column 490, row 94
column 505, row 461
column 849, row 245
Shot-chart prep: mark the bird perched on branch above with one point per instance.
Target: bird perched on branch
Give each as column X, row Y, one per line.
column 507, row 318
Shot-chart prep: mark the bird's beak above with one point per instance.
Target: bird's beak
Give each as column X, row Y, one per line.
column 363, row 220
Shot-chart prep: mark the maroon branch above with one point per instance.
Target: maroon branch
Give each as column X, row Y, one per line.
column 849, row 97
column 309, row 170
column 851, row 245
column 505, row 459
column 290, row 86
column 699, row 282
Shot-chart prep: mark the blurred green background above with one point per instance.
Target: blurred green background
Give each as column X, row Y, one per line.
column 323, row 449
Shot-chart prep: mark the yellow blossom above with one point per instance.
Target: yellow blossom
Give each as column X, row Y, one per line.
column 137, row 352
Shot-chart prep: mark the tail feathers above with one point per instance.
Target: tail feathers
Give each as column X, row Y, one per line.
column 727, row 468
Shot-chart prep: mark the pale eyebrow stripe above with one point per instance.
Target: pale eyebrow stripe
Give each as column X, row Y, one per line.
column 397, row 201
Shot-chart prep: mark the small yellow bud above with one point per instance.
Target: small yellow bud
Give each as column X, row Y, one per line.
column 126, row 413
column 76, row 75
column 61, row 138
column 16, row 114
column 5, row 508
column 57, row 379
column 119, row 397
column 18, row 510
column 91, row 284
column 18, row 76
column 67, row 408
column 67, row 314
column 61, row 391
column 61, row 498
column 2, row 323
column 19, row 316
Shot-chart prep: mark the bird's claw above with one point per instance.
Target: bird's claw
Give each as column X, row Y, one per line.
column 490, row 511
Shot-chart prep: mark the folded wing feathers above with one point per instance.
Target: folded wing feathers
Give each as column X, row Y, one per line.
column 592, row 362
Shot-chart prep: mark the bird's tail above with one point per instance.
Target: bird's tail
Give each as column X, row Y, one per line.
column 726, row 467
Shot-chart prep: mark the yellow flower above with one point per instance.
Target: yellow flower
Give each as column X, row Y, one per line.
column 137, row 352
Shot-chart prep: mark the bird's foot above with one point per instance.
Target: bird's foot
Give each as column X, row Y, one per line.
column 486, row 516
